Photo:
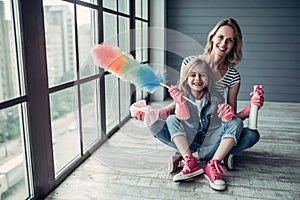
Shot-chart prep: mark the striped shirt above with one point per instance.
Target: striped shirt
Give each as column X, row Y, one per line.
column 230, row 79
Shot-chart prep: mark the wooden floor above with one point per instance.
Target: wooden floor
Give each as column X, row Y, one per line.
column 133, row 165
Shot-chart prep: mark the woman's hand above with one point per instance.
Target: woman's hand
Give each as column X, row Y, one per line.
column 140, row 116
column 257, row 100
column 164, row 113
column 226, row 112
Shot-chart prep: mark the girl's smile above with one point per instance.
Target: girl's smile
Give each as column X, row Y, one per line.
column 197, row 80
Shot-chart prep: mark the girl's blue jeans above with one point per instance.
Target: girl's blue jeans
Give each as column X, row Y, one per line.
column 244, row 137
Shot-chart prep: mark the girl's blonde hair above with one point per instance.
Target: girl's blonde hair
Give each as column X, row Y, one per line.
column 185, row 71
column 236, row 54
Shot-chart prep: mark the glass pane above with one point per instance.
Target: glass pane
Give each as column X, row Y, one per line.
column 138, row 40
column 145, row 42
column 9, row 81
column 124, row 34
column 124, row 6
column 87, row 38
column 65, row 127
column 125, row 99
column 110, row 29
column 111, row 4
column 12, row 158
column 59, row 28
column 139, row 94
column 138, row 52
column 138, row 8
column 145, row 9
column 89, row 107
column 111, row 101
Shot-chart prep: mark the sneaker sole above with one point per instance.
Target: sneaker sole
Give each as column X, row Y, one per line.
column 185, row 177
column 213, row 185
column 229, row 162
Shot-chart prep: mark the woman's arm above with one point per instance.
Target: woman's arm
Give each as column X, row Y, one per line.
column 232, row 100
column 232, row 96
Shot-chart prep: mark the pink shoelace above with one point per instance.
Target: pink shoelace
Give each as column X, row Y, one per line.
column 216, row 169
column 189, row 165
column 186, row 165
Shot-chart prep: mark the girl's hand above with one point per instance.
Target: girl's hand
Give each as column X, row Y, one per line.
column 176, row 94
column 226, row 112
column 181, row 109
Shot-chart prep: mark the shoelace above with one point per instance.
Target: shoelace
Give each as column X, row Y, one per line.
column 218, row 167
column 215, row 170
column 186, row 165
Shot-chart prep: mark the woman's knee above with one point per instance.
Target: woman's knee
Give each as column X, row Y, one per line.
column 252, row 136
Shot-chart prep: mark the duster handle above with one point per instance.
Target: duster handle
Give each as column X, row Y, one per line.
column 166, row 86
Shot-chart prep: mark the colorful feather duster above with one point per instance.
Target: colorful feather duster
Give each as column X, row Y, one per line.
column 126, row 67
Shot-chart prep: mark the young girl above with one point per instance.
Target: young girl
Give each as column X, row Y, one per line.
column 199, row 128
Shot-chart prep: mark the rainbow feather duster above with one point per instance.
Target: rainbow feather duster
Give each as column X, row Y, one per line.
column 124, row 66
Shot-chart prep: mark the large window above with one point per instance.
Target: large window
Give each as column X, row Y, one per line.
column 71, row 31
column 56, row 106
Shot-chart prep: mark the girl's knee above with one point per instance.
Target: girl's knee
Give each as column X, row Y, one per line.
column 172, row 119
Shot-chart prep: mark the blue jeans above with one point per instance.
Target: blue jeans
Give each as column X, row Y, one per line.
column 166, row 130
column 248, row 138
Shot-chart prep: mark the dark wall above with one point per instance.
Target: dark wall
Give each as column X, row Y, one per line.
column 271, row 35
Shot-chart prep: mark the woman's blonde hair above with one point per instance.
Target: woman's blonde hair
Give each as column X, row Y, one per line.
column 236, row 54
column 185, row 71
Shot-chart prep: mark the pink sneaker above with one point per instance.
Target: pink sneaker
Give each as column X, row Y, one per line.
column 190, row 169
column 212, row 174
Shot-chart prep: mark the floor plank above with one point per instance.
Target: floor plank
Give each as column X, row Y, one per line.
column 133, row 165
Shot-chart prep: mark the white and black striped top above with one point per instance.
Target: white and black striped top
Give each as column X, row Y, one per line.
column 230, row 79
